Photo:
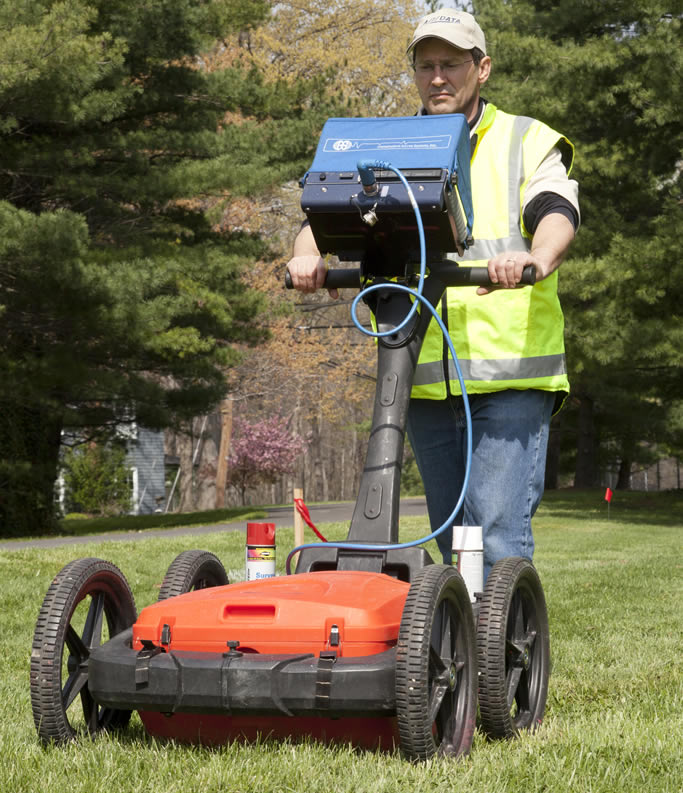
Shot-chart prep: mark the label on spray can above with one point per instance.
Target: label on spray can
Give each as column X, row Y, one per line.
column 260, row 553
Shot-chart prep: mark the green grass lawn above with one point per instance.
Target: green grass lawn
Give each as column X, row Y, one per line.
column 614, row 718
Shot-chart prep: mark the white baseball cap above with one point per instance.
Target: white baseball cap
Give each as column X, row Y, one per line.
column 454, row 27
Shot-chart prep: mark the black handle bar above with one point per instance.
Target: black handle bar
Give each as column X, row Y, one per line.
column 450, row 272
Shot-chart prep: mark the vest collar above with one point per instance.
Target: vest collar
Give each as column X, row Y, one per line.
column 485, row 119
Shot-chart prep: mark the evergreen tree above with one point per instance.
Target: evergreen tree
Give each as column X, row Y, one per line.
column 97, row 480
column 119, row 293
column 607, row 73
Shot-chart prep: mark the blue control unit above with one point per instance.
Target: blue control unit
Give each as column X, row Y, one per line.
column 355, row 222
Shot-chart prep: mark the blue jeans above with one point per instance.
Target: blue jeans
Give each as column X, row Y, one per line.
column 509, row 444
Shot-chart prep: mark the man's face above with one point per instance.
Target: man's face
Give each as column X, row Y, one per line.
column 447, row 79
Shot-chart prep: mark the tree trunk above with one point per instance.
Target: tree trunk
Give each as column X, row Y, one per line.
column 624, row 477
column 586, row 453
column 29, row 440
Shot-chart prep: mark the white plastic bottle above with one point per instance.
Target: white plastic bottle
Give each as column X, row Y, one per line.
column 468, row 557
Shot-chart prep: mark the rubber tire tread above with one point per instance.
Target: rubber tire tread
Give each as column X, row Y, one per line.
column 412, row 702
column 187, row 569
column 73, row 583
column 501, row 584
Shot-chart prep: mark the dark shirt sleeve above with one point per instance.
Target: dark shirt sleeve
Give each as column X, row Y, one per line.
column 547, row 204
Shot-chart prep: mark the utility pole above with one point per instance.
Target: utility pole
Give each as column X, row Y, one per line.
column 222, row 466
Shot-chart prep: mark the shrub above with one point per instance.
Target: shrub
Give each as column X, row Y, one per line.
column 96, row 479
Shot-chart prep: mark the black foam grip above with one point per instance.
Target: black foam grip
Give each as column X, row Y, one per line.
column 454, row 274
column 336, row 279
column 451, row 272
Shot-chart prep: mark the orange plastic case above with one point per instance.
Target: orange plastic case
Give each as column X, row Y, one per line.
column 349, row 613
column 293, row 614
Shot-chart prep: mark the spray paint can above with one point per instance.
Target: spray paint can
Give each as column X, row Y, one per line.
column 260, row 561
column 468, row 557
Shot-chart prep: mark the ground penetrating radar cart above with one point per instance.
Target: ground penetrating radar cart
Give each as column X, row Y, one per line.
column 369, row 640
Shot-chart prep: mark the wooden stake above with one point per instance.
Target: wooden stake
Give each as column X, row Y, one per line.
column 298, row 520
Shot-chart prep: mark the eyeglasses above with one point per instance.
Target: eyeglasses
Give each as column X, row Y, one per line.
column 427, row 68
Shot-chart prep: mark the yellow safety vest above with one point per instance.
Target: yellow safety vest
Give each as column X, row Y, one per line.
column 509, row 338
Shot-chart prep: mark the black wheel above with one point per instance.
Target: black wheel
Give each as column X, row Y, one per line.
column 513, row 646
column 436, row 666
column 88, row 602
column 192, row 570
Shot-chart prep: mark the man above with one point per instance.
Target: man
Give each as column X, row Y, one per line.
column 509, row 342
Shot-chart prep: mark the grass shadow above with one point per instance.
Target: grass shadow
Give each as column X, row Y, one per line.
column 81, row 527
column 627, row 505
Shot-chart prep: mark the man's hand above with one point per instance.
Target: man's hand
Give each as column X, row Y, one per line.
column 505, row 270
column 309, row 273
column 307, row 268
column 550, row 244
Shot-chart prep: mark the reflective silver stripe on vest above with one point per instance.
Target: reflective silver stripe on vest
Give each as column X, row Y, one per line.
column 493, row 369
column 487, row 249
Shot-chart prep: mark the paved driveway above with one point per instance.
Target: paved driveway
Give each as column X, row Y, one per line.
column 281, row 516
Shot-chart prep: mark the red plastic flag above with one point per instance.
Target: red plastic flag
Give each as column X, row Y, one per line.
column 608, row 495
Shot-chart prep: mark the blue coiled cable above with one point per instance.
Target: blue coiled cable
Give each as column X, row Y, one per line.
column 364, row 167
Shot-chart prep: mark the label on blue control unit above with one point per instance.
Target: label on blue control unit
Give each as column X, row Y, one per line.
column 369, row 145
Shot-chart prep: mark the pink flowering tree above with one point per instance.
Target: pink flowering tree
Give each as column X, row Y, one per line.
column 261, row 452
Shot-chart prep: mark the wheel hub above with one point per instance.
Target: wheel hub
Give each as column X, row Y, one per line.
column 526, row 658
column 452, row 677
column 519, row 655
